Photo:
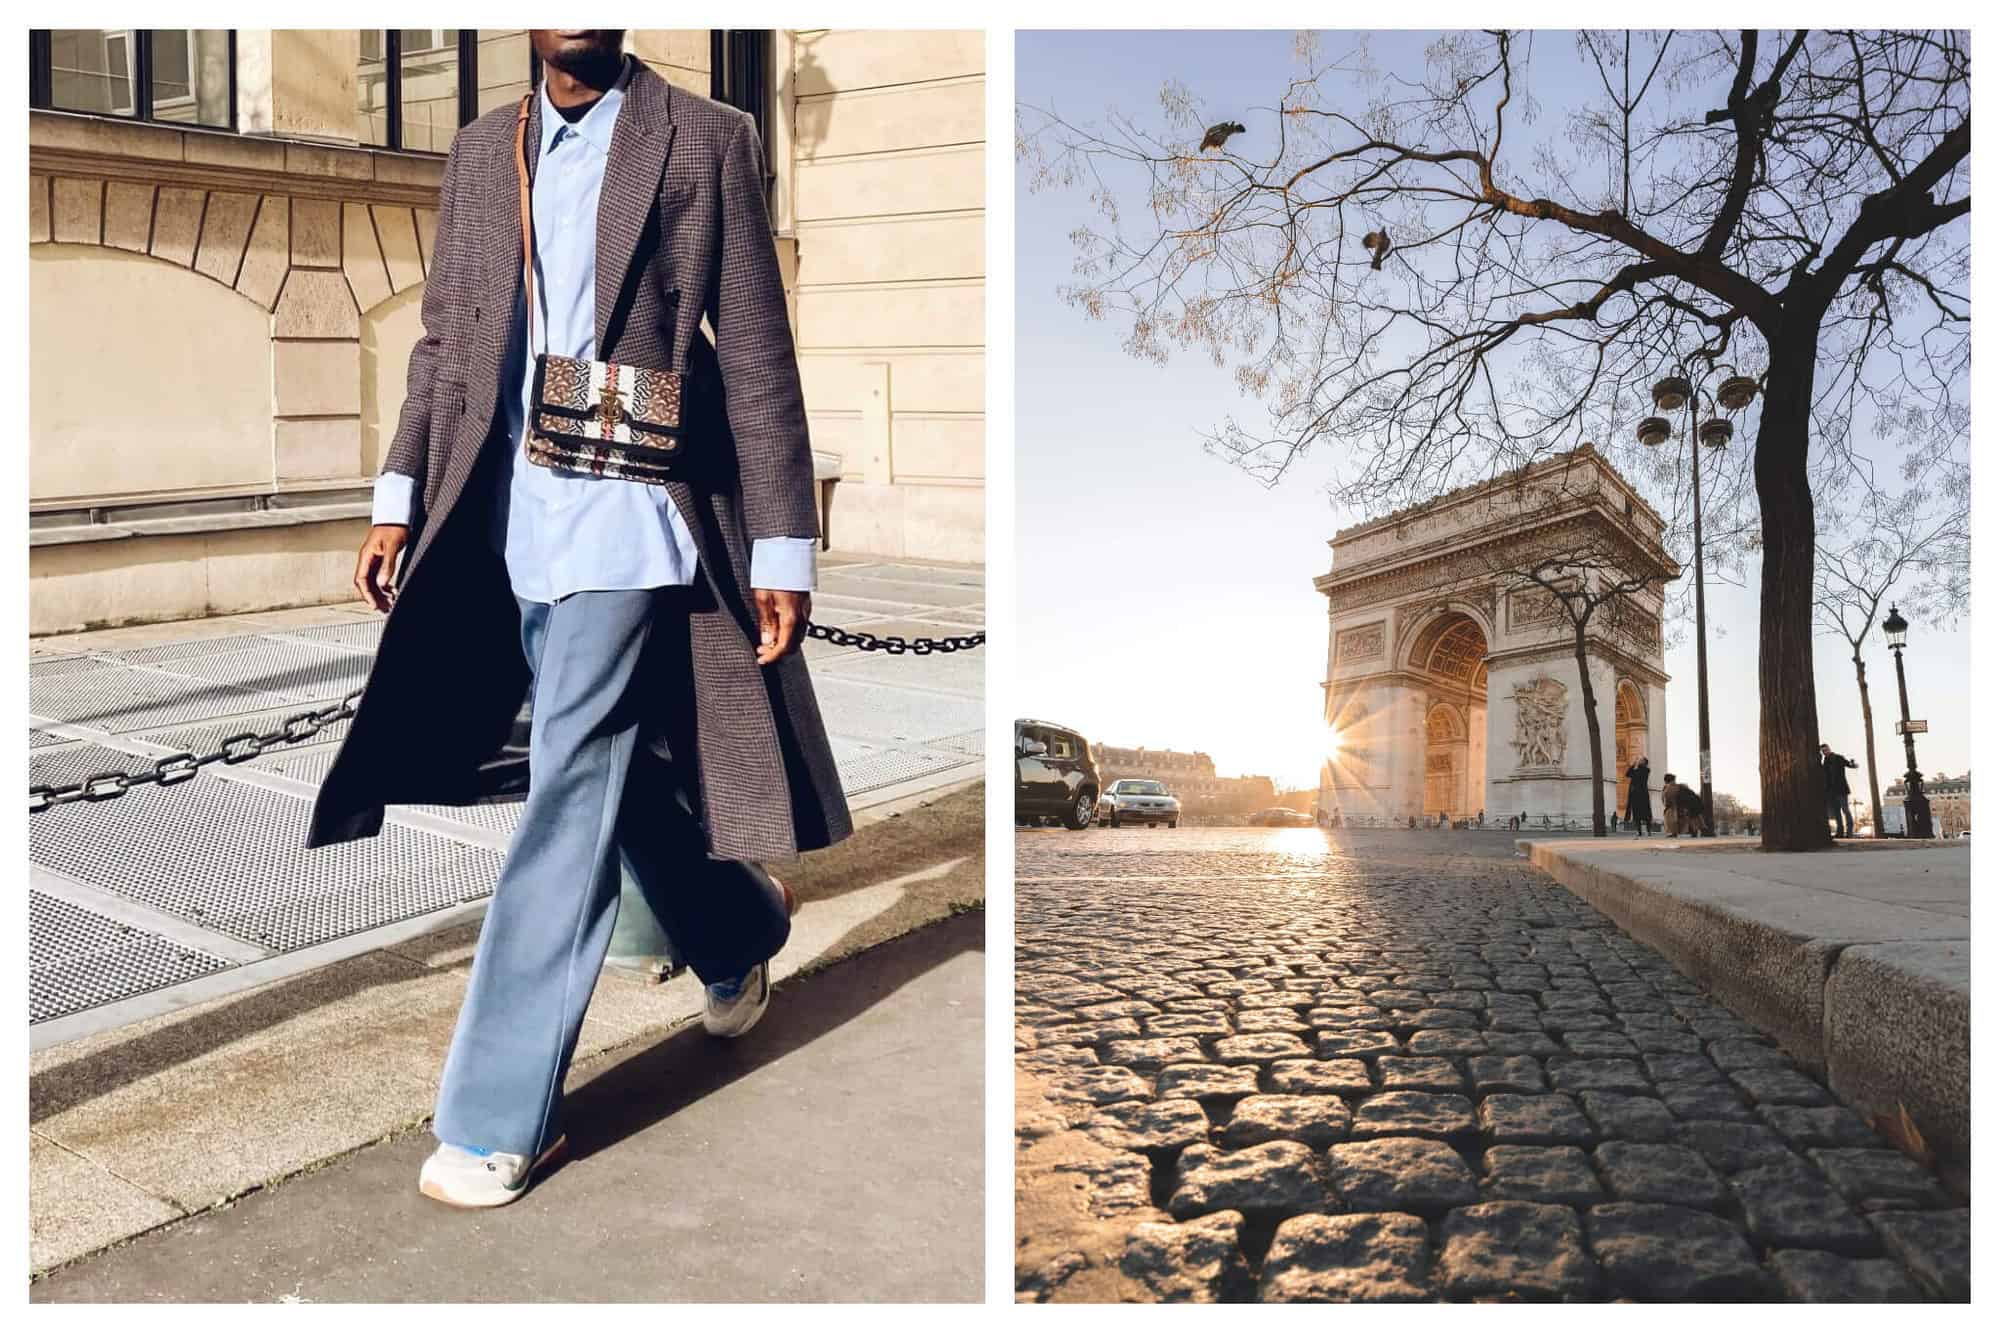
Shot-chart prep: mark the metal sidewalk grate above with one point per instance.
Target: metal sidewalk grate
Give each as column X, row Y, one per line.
column 116, row 697
column 232, row 858
column 289, row 670
column 78, row 960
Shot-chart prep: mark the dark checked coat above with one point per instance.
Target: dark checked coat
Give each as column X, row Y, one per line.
column 682, row 232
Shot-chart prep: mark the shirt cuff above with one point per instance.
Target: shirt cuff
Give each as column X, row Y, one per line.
column 393, row 493
column 783, row 564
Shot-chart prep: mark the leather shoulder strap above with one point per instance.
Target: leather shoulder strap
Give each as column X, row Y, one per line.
column 527, row 214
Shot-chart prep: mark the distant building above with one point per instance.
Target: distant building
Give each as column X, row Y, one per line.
column 1189, row 775
column 1951, row 804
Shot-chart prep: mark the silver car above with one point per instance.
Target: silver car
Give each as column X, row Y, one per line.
column 1140, row 801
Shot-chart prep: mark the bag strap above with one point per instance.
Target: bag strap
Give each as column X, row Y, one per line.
column 527, row 213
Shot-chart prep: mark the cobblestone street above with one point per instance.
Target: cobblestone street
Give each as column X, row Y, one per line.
column 1404, row 1066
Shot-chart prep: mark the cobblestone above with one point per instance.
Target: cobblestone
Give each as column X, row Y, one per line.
column 1194, row 1262
column 1373, row 1068
column 1522, row 1250
column 1359, row 1257
column 1542, row 1175
column 1656, row 1252
column 1405, row 1175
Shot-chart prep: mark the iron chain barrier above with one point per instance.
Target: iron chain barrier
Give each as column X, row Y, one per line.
column 168, row 770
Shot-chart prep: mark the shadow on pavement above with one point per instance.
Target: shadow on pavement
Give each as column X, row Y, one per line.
column 664, row 1078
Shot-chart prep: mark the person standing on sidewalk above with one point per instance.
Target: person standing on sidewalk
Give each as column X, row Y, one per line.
column 1835, row 767
column 1639, row 796
column 620, row 655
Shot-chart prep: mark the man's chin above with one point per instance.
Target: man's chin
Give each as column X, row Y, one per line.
column 584, row 51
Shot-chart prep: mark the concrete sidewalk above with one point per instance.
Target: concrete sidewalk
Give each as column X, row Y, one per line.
column 137, row 1127
column 833, row 1154
column 1857, row 960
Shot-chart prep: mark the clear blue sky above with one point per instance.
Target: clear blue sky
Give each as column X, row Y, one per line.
column 1166, row 598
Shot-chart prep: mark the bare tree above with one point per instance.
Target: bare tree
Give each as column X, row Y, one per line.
column 1919, row 542
column 1392, row 273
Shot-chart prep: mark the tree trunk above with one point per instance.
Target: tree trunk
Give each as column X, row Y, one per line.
column 1590, row 723
column 1793, row 787
column 1868, row 742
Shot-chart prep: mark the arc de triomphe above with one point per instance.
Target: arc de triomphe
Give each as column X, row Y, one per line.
column 1451, row 680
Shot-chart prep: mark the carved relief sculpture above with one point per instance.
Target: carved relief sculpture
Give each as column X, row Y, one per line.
column 1541, row 731
column 1359, row 643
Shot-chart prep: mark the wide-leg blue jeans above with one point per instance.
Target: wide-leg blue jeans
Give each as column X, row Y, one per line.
column 607, row 666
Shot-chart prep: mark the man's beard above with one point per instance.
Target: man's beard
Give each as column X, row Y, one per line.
column 595, row 64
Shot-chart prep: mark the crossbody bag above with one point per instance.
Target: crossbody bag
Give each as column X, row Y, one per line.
column 599, row 417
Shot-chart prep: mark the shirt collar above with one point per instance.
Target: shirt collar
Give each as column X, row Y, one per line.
column 596, row 124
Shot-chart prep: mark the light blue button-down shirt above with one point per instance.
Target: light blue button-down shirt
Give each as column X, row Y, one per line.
column 564, row 531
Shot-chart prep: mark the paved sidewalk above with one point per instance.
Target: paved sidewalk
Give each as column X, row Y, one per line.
column 834, row 1154
column 158, row 1120
column 1858, row 960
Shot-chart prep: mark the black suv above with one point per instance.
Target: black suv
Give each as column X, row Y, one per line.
column 1054, row 774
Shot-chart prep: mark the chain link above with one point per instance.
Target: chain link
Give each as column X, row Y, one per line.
column 894, row 644
column 247, row 745
column 182, row 765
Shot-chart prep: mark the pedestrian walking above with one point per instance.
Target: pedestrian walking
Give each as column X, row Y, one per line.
column 1670, row 808
column 607, row 524
column 1835, row 767
column 1639, row 796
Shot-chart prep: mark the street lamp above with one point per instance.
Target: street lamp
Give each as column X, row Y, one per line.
column 1916, row 806
column 1673, row 392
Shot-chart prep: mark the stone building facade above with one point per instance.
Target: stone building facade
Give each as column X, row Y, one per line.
column 1451, row 682
column 227, row 265
column 1189, row 775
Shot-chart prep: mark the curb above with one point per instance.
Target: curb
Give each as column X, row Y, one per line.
column 1861, row 1014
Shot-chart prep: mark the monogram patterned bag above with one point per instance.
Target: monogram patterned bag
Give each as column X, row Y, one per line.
column 594, row 416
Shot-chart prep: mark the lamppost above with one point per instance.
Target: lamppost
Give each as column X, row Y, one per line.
column 1732, row 395
column 1916, row 806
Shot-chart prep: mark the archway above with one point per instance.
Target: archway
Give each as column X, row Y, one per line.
column 1630, row 727
column 1451, row 653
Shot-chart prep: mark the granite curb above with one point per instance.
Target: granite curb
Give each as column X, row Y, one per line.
column 1873, row 997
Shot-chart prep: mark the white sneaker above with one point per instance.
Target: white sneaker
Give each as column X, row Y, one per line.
column 733, row 1007
column 473, row 1178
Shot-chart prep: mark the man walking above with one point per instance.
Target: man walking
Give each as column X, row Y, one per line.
column 1835, row 767
column 622, row 652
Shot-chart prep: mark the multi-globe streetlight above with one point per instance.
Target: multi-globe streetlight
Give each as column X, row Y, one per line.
column 1672, row 393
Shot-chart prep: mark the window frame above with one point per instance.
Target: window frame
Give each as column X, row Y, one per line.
column 139, row 61
column 467, row 44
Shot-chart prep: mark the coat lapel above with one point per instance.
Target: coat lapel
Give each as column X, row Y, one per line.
column 632, row 171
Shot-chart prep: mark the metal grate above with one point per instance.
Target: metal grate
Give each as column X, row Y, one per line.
column 943, row 578
column 115, row 697
column 966, row 743
column 883, row 715
column 964, row 673
column 258, row 883
column 289, row 670
column 37, row 739
column 865, row 768
column 58, row 766
column 201, row 737
column 78, row 960
column 361, row 636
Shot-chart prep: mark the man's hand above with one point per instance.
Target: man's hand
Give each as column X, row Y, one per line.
column 374, row 571
column 781, row 622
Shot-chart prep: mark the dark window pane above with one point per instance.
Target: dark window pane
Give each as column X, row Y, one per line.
column 191, row 75
column 371, row 88
column 430, row 92
column 90, row 69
